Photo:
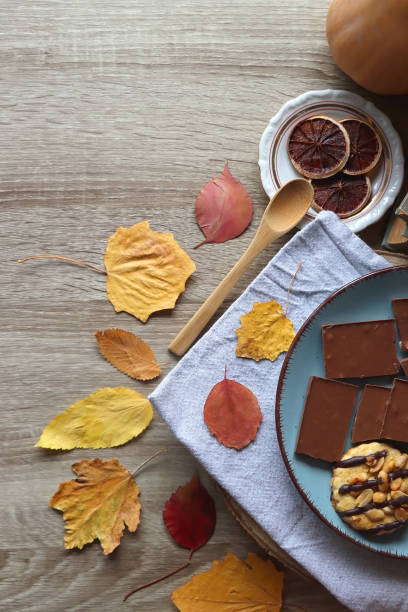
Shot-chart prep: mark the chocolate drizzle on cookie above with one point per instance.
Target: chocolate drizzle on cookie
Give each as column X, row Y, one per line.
column 398, row 501
column 384, row 527
column 360, row 459
column 359, row 486
column 397, row 474
column 369, row 484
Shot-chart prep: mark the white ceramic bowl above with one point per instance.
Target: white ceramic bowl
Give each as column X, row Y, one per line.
column 386, row 177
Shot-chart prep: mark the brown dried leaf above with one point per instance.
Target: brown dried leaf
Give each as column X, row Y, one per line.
column 128, row 353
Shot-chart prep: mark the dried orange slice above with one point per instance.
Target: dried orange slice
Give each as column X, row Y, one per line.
column 365, row 147
column 343, row 194
column 318, row 147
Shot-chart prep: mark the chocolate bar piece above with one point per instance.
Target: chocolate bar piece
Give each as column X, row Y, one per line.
column 400, row 307
column 396, row 417
column 404, row 365
column 326, row 417
column 370, row 413
column 358, row 350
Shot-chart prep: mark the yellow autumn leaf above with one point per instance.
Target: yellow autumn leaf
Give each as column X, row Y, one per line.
column 265, row 332
column 128, row 353
column 98, row 504
column 232, row 586
column 146, row 270
column 109, row 417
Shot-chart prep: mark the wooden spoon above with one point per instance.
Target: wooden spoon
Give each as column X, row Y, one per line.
column 285, row 209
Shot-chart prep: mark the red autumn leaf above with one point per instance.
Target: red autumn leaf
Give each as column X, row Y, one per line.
column 189, row 515
column 223, row 208
column 232, row 413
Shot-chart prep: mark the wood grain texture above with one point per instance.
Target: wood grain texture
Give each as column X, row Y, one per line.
column 110, row 113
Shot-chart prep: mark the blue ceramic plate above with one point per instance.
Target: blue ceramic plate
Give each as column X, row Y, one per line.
column 367, row 298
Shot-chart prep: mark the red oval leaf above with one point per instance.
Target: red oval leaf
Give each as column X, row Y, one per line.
column 232, row 413
column 223, row 208
column 189, row 515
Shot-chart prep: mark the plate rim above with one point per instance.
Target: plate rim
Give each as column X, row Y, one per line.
column 394, row 140
column 288, row 356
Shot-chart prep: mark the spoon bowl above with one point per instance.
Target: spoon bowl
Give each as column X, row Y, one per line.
column 284, row 211
column 288, row 205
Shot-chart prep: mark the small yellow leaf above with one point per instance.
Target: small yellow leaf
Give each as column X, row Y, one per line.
column 98, row 504
column 128, row 353
column 146, row 270
column 233, row 586
column 109, row 417
column 265, row 333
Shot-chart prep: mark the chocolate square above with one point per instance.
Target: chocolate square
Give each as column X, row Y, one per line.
column 400, row 307
column 396, row 418
column 326, row 417
column 361, row 349
column 370, row 414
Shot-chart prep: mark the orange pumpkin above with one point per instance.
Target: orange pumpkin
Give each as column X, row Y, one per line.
column 369, row 42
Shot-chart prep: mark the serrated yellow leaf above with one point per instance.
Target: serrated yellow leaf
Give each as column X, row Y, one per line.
column 146, row 270
column 265, row 332
column 233, row 586
column 128, row 353
column 98, row 504
column 109, row 417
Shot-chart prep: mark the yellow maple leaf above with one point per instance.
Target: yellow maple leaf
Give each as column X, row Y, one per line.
column 109, row 417
column 128, row 353
column 146, row 270
column 232, row 586
column 265, row 332
column 98, row 504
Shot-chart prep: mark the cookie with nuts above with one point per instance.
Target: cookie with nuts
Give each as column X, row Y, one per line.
column 370, row 488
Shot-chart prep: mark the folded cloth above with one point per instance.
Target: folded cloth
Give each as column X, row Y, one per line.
column 331, row 256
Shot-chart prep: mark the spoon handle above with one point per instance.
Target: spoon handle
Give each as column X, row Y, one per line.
column 190, row 331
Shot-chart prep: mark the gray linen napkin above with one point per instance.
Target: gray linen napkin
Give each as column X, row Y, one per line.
column 256, row 477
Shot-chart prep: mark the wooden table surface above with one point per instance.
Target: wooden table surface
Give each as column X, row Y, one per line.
column 111, row 113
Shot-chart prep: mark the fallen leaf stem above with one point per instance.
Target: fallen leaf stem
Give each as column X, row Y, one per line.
column 159, row 452
column 163, row 577
column 200, row 243
column 290, row 287
column 69, row 259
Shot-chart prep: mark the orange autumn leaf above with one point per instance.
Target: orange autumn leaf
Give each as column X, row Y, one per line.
column 265, row 332
column 233, row 586
column 146, row 270
column 128, row 353
column 98, row 504
column 232, row 413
